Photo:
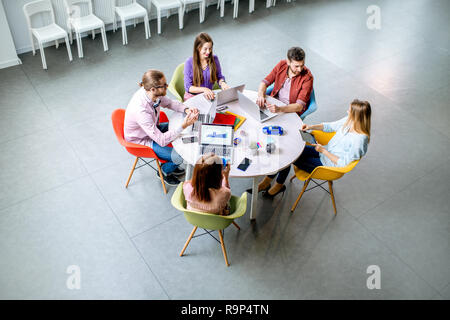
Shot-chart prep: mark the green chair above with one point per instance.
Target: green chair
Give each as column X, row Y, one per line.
column 176, row 85
column 208, row 221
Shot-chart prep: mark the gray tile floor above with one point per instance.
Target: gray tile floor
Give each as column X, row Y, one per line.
column 63, row 201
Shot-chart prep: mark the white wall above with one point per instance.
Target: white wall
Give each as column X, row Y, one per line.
column 8, row 55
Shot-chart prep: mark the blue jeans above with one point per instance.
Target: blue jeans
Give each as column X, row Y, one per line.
column 308, row 161
column 167, row 153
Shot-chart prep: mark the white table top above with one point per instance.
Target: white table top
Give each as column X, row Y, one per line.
column 289, row 146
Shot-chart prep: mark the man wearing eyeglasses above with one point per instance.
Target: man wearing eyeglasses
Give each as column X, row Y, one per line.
column 142, row 125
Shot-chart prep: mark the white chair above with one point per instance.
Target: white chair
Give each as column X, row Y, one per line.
column 79, row 24
column 131, row 11
column 51, row 32
column 251, row 7
column 202, row 7
column 167, row 5
column 274, row 2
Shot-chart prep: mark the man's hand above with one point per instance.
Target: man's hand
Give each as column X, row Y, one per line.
column 273, row 108
column 190, row 110
column 189, row 120
column 261, row 101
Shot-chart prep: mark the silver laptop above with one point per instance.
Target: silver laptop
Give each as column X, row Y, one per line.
column 254, row 110
column 206, row 117
column 216, row 138
column 228, row 95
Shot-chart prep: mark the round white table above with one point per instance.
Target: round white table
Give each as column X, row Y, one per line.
column 289, row 146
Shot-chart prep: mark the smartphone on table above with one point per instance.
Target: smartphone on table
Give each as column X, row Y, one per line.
column 244, row 164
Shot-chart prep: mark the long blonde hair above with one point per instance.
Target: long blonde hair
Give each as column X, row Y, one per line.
column 200, row 40
column 359, row 117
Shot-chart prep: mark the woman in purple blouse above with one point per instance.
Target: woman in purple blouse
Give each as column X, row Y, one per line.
column 202, row 70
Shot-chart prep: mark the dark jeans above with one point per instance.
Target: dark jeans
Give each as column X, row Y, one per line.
column 308, row 161
column 167, row 153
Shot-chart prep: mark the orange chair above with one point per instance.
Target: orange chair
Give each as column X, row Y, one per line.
column 137, row 150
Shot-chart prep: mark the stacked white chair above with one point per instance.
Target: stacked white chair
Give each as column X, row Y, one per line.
column 167, row 5
column 251, row 7
column 130, row 11
column 80, row 24
column 202, row 7
column 274, row 2
column 51, row 32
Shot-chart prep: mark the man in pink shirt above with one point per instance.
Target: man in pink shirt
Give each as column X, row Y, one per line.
column 142, row 126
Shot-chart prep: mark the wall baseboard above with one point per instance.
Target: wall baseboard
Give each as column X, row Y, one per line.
column 10, row 63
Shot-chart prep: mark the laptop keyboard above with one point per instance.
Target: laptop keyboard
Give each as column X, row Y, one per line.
column 262, row 115
column 219, row 151
column 202, row 118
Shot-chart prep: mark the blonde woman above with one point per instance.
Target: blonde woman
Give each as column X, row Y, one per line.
column 348, row 144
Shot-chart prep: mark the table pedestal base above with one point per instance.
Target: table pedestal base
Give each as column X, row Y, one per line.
column 254, row 198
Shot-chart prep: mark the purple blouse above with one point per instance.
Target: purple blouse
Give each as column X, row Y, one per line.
column 189, row 74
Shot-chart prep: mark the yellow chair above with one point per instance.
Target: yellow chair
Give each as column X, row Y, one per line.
column 322, row 172
column 176, row 85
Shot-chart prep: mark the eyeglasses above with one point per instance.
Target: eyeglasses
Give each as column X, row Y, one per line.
column 165, row 85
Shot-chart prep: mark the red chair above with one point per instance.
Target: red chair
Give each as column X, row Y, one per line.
column 137, row 150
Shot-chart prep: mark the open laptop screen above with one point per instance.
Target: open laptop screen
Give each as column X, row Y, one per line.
column 216, row 134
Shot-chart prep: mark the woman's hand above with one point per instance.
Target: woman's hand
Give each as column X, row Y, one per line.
column 305, row 127
column 319, row 148
column 209, row 94
column 224, row 85
column 226, row 173
column 226, row 170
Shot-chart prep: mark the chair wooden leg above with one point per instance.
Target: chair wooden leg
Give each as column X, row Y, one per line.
column 223, row 248
column 161, row 176
column 131, row 173
column 236, row 225
column 188, row 240
column 292, row 178
column 300, row 195
column 330, row 185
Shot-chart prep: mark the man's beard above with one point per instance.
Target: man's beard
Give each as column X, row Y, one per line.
column 157, row 96
column 295, row 73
